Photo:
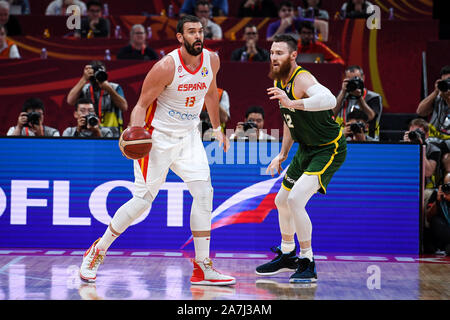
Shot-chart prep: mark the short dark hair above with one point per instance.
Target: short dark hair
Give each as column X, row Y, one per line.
column 82, row 101
column 33, row 103
column 288, row 39
column 306, row 24
column 445, row 70
column 357, row 115
column 95, row 3
column 183, row 20
column 202, row 3
column 254, row 109
column 97, row 63
column 288, row 4
column 353, row 68
column 419, row 122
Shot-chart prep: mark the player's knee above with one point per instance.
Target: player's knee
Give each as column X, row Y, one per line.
column 202, row 194
column 201, row 208
column 281, row 199
column 137, row 206
column 203, row 199
column 295, row 202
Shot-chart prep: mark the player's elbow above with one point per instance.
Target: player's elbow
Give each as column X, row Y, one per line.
column 328, row 101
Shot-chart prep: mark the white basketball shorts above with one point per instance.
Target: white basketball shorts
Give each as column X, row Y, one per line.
column 185, row 156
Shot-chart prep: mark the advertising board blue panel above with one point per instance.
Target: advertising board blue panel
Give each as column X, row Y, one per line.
column 62, row 193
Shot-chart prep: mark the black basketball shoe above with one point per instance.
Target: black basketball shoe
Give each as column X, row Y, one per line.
column 306, row 272
column 286, row 262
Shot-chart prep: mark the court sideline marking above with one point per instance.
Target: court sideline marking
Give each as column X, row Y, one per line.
column 13, row 261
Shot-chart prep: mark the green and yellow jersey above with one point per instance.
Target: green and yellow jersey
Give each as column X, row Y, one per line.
column 310, row 128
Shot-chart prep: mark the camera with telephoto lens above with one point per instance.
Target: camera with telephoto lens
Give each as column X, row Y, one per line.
column 33, row 118
column 358, row 127
column 99, row 74
column 91, row 120
column 249, row 125
column 355, row 83
column 416, row 136
column 446, row 188
column 444, row 85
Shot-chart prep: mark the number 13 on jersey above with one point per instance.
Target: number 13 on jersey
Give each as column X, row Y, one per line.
column 190, row 101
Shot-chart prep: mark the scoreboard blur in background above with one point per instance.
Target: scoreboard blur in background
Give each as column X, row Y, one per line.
column 62, row 193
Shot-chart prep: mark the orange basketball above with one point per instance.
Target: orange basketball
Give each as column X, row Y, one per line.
column 135, row 142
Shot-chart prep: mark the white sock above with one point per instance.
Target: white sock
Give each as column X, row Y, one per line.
column 107, row 239
column 287, row 246
column 306, row 253
column 201, row 245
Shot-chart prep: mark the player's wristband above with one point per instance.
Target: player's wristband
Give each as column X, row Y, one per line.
column 218, row 129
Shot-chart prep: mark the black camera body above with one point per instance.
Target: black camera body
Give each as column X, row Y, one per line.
column 99, row 74
column 444, row 85
column 446, row 188
column 33, row 118
column 249, row 125
column 355, row 83
column 416, row 136
column 91, row 120
column 358, row 127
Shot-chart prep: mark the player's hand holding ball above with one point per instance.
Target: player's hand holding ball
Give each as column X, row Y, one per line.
column 135, row 142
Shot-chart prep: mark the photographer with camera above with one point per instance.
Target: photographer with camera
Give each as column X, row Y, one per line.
column 31, row 121
column 418, row 133
column 437, row 104
column 437, row 220
column 354, row 95
column 107, row 97
column 356, row 127
column 88, row 124
column 253, row 127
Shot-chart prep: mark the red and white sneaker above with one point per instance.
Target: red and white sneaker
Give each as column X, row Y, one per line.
column 92, row 259
column 205, row 274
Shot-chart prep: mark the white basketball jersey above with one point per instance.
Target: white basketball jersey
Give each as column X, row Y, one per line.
column 179, row 106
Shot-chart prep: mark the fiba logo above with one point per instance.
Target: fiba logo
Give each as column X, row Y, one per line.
column 204, row 72
column 74, row 19
column 374, row 20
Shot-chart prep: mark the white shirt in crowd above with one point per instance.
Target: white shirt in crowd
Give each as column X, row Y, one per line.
column 13, row 52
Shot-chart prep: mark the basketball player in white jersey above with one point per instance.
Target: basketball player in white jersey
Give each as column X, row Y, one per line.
column 172, row 97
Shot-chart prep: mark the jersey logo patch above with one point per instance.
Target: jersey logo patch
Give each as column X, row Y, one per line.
column 204, row 71
column 288, row 87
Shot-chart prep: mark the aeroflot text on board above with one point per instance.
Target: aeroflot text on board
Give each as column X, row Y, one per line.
column 61, row 215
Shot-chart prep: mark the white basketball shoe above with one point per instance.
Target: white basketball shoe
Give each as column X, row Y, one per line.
column 205, row 274
column 92, row 259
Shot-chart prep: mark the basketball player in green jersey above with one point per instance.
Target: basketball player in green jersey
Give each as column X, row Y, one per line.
column 306, row 109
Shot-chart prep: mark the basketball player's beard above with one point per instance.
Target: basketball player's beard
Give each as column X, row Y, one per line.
column 191, row 48
column 282, row 73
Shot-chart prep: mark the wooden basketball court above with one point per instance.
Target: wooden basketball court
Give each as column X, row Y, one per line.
column 38, row 274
